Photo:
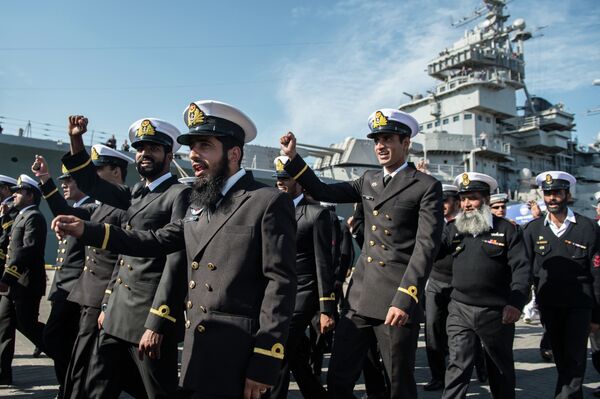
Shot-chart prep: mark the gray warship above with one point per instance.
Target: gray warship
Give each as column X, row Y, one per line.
column 470, row 121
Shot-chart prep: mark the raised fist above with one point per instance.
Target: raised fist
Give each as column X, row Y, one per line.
column 77, row 125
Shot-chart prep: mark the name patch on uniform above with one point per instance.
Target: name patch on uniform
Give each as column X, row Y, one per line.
column 497, row 234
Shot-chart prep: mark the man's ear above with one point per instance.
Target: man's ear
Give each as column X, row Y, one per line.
column 234, row 155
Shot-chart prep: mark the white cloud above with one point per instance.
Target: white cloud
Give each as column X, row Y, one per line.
column 327, row 93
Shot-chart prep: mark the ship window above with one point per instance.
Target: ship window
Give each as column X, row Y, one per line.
column 488, row 119
column 420, row 128
column 437, row 123
column 452, row 85
column 468, row 116
column 442, row 89
column 429, row 125
column 455, row 118
column 445, row 121
column 479, row 117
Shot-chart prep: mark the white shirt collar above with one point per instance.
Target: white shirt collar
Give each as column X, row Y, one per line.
column 404, row 165
column 298, row 199
column 558, row 231
column 157, row 182
column 81, row 201
column 232, row 180
column 570, row 217
column 24, row 209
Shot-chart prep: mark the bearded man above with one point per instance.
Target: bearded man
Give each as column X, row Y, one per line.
column 490, row 285
column 564, row 249
column 240, row 240
column 140, row 332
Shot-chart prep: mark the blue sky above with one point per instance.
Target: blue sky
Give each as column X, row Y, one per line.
column 318, row 68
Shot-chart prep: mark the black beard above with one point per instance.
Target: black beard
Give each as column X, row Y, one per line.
column 155, row 171
column 207, row 190
column 562, row 207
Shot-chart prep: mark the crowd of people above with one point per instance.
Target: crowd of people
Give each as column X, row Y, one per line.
column 252, row 278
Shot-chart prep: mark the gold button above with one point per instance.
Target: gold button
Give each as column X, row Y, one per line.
column 371, row 243
column 373, row 228
column 189, row 304
column 383, row 246
column 192, row 284
column 85, row 268
column 381, row 263
column 369, row 259
column 187, row 324
column 62, row 259
column 211, row 266
column 119, row 281
column 87, row 258
column 57, row 259
column 387, row 233
column 63, row 250
column 129, row 267
column 208, row 287
column 375, row 213
column 128, row 227
column 203, row 309
column 94, row 250
column 388, row 217
column 195, row 265
column 122, row 262
column 201, row 328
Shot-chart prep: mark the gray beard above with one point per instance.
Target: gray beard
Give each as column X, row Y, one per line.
column 475, row 222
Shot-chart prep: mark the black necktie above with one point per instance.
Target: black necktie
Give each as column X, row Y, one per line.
column 386, row 180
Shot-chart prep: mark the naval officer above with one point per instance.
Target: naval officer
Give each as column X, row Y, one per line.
column 315, row 294
column 139, row 332
column 498, row 204
column 24, row 279
column 63, row 322
column 403, row 227
column 437, row 295
column 241, row 253
column 7, row 217
column 564, row 248
column 490, row 285
column 89, row 289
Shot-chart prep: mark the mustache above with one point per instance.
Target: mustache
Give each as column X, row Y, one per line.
column 145, row 158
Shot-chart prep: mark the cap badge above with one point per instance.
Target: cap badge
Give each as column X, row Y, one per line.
column 145, row 129
column 379, row 120
column 195, row 115
column 279, row 167
column 19, row 182
column 94, row 155
column 549, row 179
column 64, row 169
column 465, row 179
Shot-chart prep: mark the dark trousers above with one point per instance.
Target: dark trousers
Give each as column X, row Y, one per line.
column 297, row 360
column 464, row 325
column 22, row 315
column 437, row 298
column 350, row 345
column 118, row 364
column 568, row 331
column 59, row 336
column 83, row 357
